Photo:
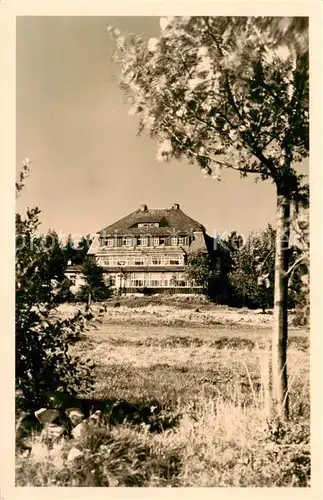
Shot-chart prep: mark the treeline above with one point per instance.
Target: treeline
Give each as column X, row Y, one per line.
column 234, row 271
column 240, row 273
column 59, row 255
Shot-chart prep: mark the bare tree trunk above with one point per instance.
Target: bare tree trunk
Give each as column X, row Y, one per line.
column 280, row 326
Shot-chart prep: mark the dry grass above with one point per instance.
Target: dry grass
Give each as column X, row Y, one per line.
column 176, row 312
column 215, row 381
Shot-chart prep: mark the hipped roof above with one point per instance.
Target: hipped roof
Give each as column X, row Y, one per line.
column 174, row 221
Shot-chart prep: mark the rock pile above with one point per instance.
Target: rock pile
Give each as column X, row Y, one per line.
column 71, row 422
column 66, row 416
column 54, row 424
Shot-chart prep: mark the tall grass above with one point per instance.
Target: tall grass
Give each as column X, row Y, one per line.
column 216, row 390
column 218, row 442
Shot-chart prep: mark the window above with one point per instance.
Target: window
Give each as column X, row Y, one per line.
column 141, row 242
column 148, row 224
column 105, row 241
column 173, row 261
column 157, row 261
column 181, row 240
column 144, row 241
column 127, row 241
column 156, row 241
column 162, row 241
column 106, row 261
column 139, row 261
column 137, row 280
column 112, row 281
column 174, row 240
column 121, row 263
column 156, row 283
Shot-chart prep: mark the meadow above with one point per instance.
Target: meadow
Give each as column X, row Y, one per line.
column 207, row 368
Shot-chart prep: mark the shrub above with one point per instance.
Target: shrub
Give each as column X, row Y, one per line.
column 43, row 360
column 94, row 286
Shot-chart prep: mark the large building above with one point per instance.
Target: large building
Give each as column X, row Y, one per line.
column 148, row 249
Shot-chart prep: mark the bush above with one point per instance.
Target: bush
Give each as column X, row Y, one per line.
column 43, row 360
column 95, row 288
column 147, row 291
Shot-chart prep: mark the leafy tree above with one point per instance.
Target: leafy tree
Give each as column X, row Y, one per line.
column 299, row 282
column 233, row 243
column 253, row 268
column 207, row 269
column 95, row 287
column 43, row 359
column 199, row 269
column 69, row 250
column 82, row 249
column 229, row 92
column 56, row 262
column 76, row 254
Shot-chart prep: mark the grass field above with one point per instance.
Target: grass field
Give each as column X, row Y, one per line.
column 211, row 378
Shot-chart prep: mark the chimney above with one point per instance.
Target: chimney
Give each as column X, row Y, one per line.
column 143, row 208
column 175, row 206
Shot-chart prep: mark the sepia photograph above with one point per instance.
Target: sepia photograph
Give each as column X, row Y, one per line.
column 162, row 252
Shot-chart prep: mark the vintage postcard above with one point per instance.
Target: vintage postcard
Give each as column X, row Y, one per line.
column 160, row 301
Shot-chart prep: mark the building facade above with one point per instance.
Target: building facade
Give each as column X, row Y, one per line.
column 149, row 249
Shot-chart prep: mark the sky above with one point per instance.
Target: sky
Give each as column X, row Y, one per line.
column 89, row 167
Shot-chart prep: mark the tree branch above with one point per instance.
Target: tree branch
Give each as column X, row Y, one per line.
column 212, row 159
column 298, row 261
column 250, row 145
column 266, row 258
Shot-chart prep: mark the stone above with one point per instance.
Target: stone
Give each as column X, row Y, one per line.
column 74, row 454
column 80, row 430
column 75, row 415
column 26, row 425
column 96, row 418
column 52, row 432
column 46, row 415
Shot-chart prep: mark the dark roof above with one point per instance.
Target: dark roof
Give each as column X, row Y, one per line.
column 174, row 220
column 147, row 217
column 74, row 269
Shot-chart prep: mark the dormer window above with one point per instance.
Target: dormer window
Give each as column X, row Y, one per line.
column 143, row 241
column 156, row 241
column 108, row 242
column 148, row 224
column 174, row 240
column 181, row 240
column 128, row 241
